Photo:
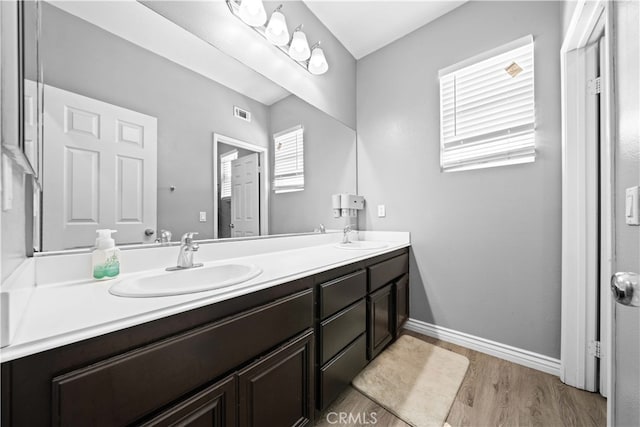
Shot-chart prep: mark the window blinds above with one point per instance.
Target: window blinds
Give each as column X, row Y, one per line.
column 487, row 109
column 225, row 173
column 289, row 160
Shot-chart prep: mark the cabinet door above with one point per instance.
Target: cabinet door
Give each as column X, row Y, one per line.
column 277, row 390
column 402, row 302
column 213, row 407
column 381, row 320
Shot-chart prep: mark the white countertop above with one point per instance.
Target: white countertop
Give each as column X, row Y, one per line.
column 62, row 313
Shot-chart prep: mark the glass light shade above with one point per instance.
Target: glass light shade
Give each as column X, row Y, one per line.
column 252, row 12
column 299, row 49
column 318, row 63
column 277, row 32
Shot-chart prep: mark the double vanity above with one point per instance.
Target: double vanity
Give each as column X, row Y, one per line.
column 273, row 349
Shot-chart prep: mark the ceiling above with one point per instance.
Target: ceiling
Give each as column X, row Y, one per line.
column 364, row 26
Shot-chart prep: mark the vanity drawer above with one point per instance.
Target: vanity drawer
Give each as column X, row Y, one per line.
column 338, row 373
column 384, row 272
column 122, row 389
column 339, row 330
column 339, row 293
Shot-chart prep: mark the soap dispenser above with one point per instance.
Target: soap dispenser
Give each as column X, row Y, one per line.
column 106, row 257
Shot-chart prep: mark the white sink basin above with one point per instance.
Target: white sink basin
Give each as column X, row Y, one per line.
column 188, row 281
column 362, row 245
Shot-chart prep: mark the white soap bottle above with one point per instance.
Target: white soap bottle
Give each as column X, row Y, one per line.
column 105, row 260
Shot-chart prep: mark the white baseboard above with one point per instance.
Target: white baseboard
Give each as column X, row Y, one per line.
column 512, row 354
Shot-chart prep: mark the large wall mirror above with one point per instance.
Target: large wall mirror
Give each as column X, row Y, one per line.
column 146, row 127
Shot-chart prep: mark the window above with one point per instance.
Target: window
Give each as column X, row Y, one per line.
column 487, row 109
column 225, row 172
column 288, row 171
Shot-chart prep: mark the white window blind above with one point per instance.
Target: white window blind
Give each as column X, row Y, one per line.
column 289, row 160
column 225, row 172
column 487, row 109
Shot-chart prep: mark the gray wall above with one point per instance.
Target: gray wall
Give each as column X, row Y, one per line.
column 627, row 152
column 188, row 106
column 485, row 243
column 329, row 164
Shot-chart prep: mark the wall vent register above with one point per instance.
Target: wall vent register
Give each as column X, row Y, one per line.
column 487, row 109
column 289, row 160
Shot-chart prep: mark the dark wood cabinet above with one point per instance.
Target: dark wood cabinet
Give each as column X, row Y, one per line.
column 381, row 320
column 336, row 375
column 402, row 302
column 271, row 357
column 387, row 301
column 127, row 387
column 213, row 407
column 277, row 390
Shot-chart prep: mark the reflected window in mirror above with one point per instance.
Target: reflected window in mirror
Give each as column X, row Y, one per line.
column 225, row 173
column 289, row 160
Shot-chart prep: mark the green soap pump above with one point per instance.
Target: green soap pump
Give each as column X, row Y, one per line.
column 106, row 257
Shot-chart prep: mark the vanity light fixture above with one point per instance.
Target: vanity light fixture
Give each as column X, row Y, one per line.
column 317, row 63
column 299, row 46
column 277, row 31
column 252, row 13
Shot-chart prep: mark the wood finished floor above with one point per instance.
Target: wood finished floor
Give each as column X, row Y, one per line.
column 494, row 393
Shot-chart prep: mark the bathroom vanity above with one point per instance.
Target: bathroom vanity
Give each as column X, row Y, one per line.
column 274, row 356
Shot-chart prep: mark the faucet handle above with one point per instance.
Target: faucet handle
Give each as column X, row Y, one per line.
column 347, row 228
column 187, row 238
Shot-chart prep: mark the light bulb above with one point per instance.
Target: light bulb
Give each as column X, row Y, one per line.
column 252, row 12
column 318, row 63
column 299, row 49
column 277, row 32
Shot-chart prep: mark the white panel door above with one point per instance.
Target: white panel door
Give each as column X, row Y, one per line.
column 245, row 196
column 100, row 171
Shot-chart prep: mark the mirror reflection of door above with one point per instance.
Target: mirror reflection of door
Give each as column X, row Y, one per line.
column 245, row 196
column 100, row 171
column 246, row 199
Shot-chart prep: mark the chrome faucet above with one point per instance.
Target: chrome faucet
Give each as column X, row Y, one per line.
column 165, row 237
column 187, row 249
column 323, row 230
column 345, row 234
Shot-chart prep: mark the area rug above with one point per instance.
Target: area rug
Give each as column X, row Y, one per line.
column 414, row 380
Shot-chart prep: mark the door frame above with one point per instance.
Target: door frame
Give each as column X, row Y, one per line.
column 264, row 179
column 579, row 302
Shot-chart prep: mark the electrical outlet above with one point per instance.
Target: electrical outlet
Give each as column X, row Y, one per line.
column 203, row 217
column 382, row 211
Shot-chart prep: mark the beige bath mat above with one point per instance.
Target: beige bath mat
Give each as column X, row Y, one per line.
column 414, row 380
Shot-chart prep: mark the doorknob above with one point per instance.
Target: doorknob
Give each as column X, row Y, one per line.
column 626, row 288
column 149, row 232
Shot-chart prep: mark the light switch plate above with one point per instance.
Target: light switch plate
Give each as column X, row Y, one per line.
column 203, row 217
column 382, row 211
column 632, row 206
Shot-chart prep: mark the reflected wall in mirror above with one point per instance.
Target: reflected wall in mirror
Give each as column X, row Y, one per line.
column 138, row 116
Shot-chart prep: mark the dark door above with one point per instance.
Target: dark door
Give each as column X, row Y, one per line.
column 381, row 320
column 277, row 390
column 213, row 407
column 402, row 302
